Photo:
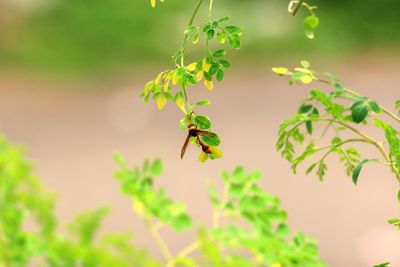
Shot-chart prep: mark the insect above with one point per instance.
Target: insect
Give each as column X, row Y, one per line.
column 194, row 132
column 294, row 6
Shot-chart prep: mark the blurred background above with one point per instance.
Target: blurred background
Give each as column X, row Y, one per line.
column 70, row 76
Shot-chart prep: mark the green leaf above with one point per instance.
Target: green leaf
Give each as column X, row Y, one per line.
column 226, row 64
column 219, row 53
column 224, row 19
column 221, row 37
column 202, row 122
column 397, row 104
column 305, row 108
column 234, row 41
column 305, row 64
column 189, row 30
column 207, row 76
column 234, row 30
column 220, row 74
column 398, row 196
column 214, row 68
column 374, row 106
column 386, row 264
column 182, row 222
column 120, row 160
column 156, row 167
column 210, row 34
column 357, row 170
column 309, row 127
column 196, row 38
column 202, row 103
column 310, row 24
column 161, row 102
column 321, row 171
column 359, row 111
column 280, row 71
column 211, row 140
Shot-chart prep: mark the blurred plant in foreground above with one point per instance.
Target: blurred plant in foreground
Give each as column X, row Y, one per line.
column 28, row 226
column 248, row 226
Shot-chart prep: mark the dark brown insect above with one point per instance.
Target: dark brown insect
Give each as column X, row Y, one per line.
column 194, row 132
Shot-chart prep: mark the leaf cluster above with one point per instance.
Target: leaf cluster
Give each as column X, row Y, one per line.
column 342, row 111
column 246, row 221
column 24, row 201
column 172, row 85
column 311, row 22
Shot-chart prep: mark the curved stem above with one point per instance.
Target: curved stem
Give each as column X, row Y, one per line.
column 153, row 229
column 210, row 10
column 386, row 111
column 366, row 139
column 187, row 35
column 370, row 140
column 219, row 209
column 186, row 100
column 353, row 93
column 195, row 12
column 331, row 147
column 184, row 253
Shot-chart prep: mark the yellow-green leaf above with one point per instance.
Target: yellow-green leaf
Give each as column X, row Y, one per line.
column 209, row 85
column 161, row 102
column 179, row 102
column 304, row 70
column 192, row 66
column 138, row 207
column 206, row 66
column 280, row 71
column 199, row 75
column 203, row 157
column 216, row 153
column 306, row 79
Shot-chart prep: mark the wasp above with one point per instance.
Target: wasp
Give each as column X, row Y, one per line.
column 195, row 132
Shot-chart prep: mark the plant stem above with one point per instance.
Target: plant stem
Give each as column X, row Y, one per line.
column 353, row 93
column 220, row 208
column 386, row 111
column 366, row 138
column 353, row 140
column 187, row 35
column 186, row 99
column 370, row 140
column 210, row 10
column 184, row 253
column 195, row 12
column 153, row 229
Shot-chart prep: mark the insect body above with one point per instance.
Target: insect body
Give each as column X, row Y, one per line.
column 194, row 132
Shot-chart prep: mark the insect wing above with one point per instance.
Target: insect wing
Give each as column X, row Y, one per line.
column 185, row 146
column 197, row 132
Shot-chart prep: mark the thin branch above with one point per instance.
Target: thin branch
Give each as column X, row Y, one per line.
column 153, row 229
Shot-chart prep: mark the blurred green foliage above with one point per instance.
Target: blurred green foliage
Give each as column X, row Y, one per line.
column 28, row 227
column 91, row 37
column 249, row 227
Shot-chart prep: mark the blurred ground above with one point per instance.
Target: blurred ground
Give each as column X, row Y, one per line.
column 71, row 135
